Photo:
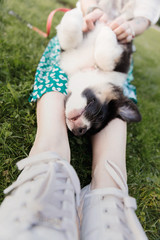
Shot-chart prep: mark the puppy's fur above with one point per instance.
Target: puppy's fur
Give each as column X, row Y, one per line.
column 97, row 67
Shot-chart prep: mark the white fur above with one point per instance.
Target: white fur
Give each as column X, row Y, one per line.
column 84, row 122
column 107, row 51
column 89, row 78
column 85, row 79
column 97, row 49
column 69, row 31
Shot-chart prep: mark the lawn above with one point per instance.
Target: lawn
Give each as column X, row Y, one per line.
column 20, row 51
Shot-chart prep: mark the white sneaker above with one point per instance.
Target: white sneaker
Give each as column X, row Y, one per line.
column 108, row 213
column 43, row 201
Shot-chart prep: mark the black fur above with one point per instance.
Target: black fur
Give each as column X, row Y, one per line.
column 124, row 63
column 100, row 114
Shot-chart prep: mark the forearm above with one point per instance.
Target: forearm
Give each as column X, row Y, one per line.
column 139, row 25
column 85, row 4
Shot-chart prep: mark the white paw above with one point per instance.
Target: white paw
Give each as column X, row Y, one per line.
column 69, row 30
column 107, row 50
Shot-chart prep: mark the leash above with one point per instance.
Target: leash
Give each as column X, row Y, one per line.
column 48, row 25
column 50, row 17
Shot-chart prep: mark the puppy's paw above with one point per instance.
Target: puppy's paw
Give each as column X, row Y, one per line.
column 107, row 50
column 69, row 30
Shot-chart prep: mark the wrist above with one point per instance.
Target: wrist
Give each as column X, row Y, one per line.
column 92, row 8
column 85, row 4
column 139, row 25
column 132, row 29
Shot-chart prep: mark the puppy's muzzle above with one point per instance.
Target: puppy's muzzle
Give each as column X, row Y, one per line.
column 79, row 131
column 75, row 122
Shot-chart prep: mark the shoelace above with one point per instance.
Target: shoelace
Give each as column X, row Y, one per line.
column 58, row 171
column 121, row 193
column 118, row 177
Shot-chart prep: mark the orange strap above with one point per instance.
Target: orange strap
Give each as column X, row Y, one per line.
column 50, row 17
column 43, row 34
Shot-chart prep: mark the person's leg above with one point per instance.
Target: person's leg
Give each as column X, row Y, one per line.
column 51, row 127
column 109, row 144
column 42, row 203
column 107, row 211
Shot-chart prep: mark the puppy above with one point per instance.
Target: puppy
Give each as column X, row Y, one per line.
column 97, row 66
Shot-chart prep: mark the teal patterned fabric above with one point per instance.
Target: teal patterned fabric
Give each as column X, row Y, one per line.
column 128, row 89
column 50, row 77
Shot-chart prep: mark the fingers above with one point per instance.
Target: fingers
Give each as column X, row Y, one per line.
column 116, row 23
column 91, row 18
column 123, row 30
column 120, row 26
column 127, row 40
column 84, row 27
column 124, row 34
column 88, row 25
column 103, row 18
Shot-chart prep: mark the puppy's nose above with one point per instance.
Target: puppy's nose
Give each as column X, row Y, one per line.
column 74, row 114
column 79, row 131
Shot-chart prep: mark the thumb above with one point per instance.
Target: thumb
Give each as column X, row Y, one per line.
column 103, row 19
column 84, row 27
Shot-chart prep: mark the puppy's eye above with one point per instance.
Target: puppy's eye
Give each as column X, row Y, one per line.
column 101, row 116
column 92, row 101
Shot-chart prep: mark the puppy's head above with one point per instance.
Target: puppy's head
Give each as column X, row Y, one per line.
column 91, row 110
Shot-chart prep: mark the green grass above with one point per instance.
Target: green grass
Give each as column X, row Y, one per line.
column 20, row 51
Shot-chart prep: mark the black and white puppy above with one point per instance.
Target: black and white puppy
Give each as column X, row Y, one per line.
column 97, row 67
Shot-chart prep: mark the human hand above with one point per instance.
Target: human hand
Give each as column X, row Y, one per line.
column 91, row 18
column 123, row 30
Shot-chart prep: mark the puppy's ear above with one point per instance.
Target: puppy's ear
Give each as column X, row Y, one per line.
column 128, row 111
